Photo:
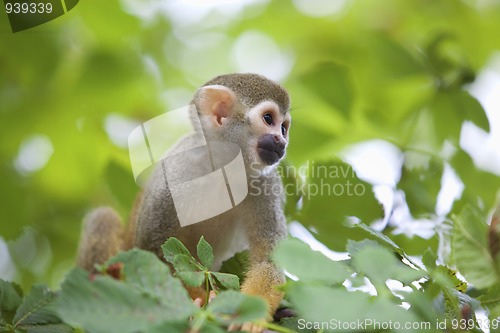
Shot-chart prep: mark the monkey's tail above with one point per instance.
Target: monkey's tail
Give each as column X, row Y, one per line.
column 102, row 237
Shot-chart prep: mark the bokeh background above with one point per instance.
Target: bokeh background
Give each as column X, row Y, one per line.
column 405, row 92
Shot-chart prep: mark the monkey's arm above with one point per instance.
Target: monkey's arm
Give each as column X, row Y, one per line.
column 264, row 232
column 261, row 280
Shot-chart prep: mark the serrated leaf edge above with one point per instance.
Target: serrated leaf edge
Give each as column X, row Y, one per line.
column 36, row 307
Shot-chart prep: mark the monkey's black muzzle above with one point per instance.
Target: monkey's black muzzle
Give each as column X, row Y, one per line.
column 271, row 149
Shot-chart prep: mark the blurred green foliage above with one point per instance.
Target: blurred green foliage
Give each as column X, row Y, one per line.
column 386, row 69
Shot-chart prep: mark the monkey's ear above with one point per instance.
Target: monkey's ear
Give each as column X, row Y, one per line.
column 217, row 102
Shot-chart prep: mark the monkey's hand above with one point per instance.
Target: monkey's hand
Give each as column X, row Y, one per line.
column 200, row 301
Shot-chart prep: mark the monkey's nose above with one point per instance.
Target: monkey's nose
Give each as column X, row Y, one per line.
column 279, row 141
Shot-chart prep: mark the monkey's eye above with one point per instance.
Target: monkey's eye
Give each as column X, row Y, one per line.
column 283, row 130
column 268, row 119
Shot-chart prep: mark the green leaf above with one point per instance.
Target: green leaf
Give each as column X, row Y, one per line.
column 228, row 281
column 146, row 297
column 472, row 109
column 211, row 328
column 121, row 183
column 429, row 259
column 395, row 104
column 444, row 283
column 421, row 182
column 385, row 310
column 379, row 264
column 292, row 185
column 470, row 249
column 300, row 152
column 170, row 327
column 451, row 280
column 491, row 298
column 193, row 279
column 184, row 263
column 321, row 304
column 234, row 307
column 48, row 328
column 10, row 299
column 333, row 192
column 296, row 325
column 423, row 306
column 183, row 327
column 214, row 284
column 299, row 259
column 354, row 247
column 332, row 82
column 384, row 239
column 414, row 245
column 450, row 108
column 417, row 130
column 172, row 247
column 145, row 272
column 236, row 265
column 36, row 313
column 480, row 187
column 205, row 253
column 390, row 59
column 447, row 61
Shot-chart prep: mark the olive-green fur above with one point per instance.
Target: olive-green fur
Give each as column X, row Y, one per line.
column 252, row 89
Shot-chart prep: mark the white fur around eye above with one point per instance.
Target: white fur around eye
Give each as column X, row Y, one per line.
column 262, row 108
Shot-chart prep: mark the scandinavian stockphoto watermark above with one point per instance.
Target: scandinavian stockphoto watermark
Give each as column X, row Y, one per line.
column 207, row 178
column 311, row 180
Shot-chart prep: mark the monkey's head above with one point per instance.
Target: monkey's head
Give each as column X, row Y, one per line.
column 249, row 110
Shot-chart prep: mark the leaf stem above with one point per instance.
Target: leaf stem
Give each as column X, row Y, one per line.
column 275, row 327
column 207, row 288
column 199, row 320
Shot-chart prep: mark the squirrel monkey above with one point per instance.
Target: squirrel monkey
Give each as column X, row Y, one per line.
column 252, row 112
